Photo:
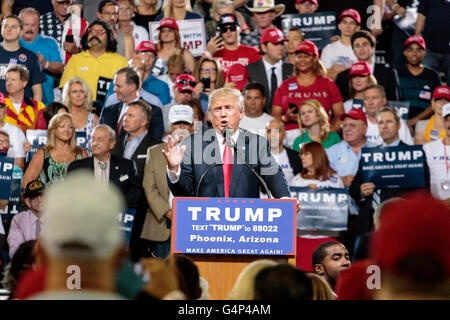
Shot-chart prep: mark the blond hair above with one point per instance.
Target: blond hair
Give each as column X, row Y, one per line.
column 87, row 91
column 53, row 125
column 321, row 289
column 167, row 8
column 321, row 113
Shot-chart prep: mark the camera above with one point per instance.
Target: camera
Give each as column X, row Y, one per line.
column 68, row 38
column 206, row 83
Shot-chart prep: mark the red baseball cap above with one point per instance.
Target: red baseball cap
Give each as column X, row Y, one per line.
column 352, row 13
column 360, row 68
column 147, row 45
column 272, row 35
column 307, row 47
column 356, row 114
column 416, row 39
column 442, row 92
column 237, row 74
column 169, row 23
column 313, row 1
column 185, row 82
column 418, row 227
column 2, row 98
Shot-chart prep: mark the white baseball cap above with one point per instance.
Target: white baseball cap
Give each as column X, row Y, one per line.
column 445, row 110
column 84, row 212
column 181, row 113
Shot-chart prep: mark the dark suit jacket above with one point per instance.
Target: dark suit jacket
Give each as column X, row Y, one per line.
column 257, row 73
column 365, row 222
column 294, row 160
column 243, row 184
column 110, row 116
column 120, row 168
column 387, row 77
column 140, row 155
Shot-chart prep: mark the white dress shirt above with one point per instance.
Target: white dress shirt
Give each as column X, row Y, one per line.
column 278, row 72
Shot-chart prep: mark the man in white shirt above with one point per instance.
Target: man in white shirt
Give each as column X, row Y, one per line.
column 255, row 119
column 339, row 56
column 438, row 159
column 374, row 99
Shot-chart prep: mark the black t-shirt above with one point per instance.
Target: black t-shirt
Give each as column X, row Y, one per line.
column 437, row 24
column 417, row 90
column 43, row 6
column 143, row 20
column 24, row 57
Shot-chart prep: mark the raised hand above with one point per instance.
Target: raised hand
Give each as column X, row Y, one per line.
column 173, row 153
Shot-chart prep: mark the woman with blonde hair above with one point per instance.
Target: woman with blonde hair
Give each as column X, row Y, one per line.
column 313, row 120
column 209, row 77
column 77, row 96
column 321, row 289
column 309, row 81
column 50, row 163
column 177, row 9
column 243, row 288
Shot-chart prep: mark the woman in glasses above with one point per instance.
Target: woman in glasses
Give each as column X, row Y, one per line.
column 208, row 74
column 169, row 43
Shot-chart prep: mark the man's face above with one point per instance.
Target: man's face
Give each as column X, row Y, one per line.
column 148, row 58
column 100, row 143
column 11, row 30
column 182, row 97
column 414, row 54
column 109, row 14
column 264, row 19
column 362, row 49
column 13, row 82
column 294, row 38
column 60, row 7
column 353, row 130
column 348, row 26
column 273, row 51
column 133, row 120
column 181, row 129
column 97, row 37
column 275, row 134
column 373, row 101
column 336, row 260
column 225, row 112
column 125, row 92
column 306, row 7
column 174, row 71
column 30, row 27
column 388, row 127
column 35, row 203
column 254, row 103
column 229, row 34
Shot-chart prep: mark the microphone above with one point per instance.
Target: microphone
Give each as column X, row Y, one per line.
column 227, row 132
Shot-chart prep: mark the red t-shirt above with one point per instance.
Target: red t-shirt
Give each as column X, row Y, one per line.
column 243, row 55
column 323, row 89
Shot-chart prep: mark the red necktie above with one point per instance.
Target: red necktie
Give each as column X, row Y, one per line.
column 227, row 163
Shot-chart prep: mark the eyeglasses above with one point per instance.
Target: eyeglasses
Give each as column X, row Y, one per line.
column 96, row 32
column 182, row 81
column 64, row 2
column 224, row 29
column 208, row 70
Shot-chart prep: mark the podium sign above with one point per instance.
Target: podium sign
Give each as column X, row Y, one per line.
column 234, row 226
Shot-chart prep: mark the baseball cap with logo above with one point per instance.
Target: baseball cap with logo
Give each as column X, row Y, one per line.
column 185, row 82
column 313, row 1
column 356, row 114
column 307, row 47
column 169, row 23
column 227, row 18
column 272, row 35
column 352, row 13
column 441, row 92
column 415, row 39
column 181, row 113
column 360, row 68
column 33, row 189
column 73, row 231
column 238, row 75
column 146, row 46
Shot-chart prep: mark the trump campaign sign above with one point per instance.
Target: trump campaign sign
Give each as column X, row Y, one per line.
column 6, row 171
column 394, row 167
column 234, row 226
column 322, row 209
column 192, row 35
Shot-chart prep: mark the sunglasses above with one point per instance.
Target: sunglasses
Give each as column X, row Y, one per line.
column 96, row 32
column 191, row 83
column 224, row 29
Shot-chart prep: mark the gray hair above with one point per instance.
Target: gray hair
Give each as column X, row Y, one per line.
column 228, row 93
column 112, row 133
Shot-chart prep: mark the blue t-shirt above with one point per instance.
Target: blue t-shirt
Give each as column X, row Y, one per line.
column 49, row 49
column 24, row 57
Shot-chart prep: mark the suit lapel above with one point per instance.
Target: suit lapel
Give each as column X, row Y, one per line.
column 237, row 167
column 217, row 171
column 113, row 169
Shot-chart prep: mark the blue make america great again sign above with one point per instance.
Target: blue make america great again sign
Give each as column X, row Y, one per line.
column 234, row 226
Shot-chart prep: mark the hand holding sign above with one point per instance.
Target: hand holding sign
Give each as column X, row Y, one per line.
column 172, row 153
